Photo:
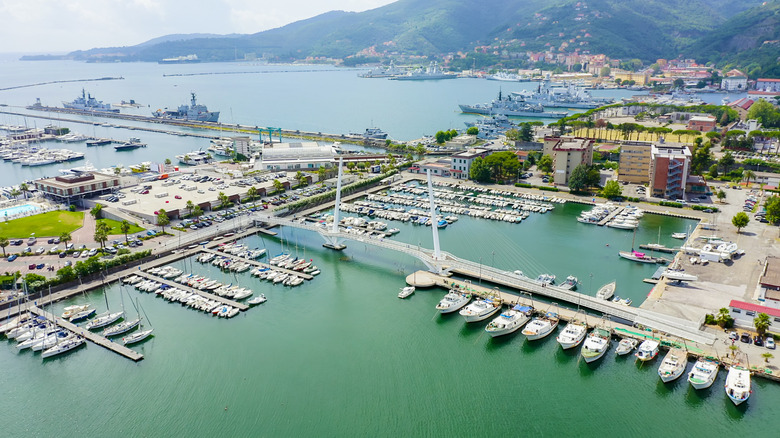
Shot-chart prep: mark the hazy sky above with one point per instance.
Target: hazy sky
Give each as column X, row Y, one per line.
column 67, row 25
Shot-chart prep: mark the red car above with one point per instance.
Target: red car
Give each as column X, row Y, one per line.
column 177, row 197
column 32, row 266
column 145, row 192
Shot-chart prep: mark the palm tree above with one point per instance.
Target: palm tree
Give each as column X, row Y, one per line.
column 65, row 237
column 101, row 233
column 190, row 206
column 761, row 323
column 748, row 175
column 24, row 189
column 197, row 212
column 125, row 227
column 3, row 243
column 252, row 193
column 733, row 349
column 15, row 193
column 723, row 317
column 162, row 219
column 767, row 356
column 96, row 211
column 117, row 170
column 224, row 201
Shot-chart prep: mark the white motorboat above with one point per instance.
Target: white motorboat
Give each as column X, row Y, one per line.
column 72, row 310
column 453, row 301
column 541, row 326
column 242, row 293
column 122, row 327
column 573, row 334
column 257, row 300
column 738, row 384
column 679, row 235
column 546, row 279
column 63, row 346
column 104, row 320
column 480, row 310
column 679, row 275
column 703, row 374
column 509, row 321
column 673, row 365
column 625, row 346
column 137, row 337
column 647, row 350
column 406, row 291
column 570, row 283
column 596, row 344
column 605, row 292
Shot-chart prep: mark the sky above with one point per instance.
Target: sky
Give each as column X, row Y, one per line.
column 56, row 26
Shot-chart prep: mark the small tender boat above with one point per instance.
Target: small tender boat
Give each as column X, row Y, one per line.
column 570, row 283
column 137, row 337
column 679, row 235
column 605, row 292
column 738, row 384
column 573, row 334
column 257, row 300
column 647, row 350
column 453, row 301
column 509, row 321
column 406, row 291
column 625, row 346
column 596, row 344
column 541, row 326
column 673, row 365
column 480, row 310
column 703, row 374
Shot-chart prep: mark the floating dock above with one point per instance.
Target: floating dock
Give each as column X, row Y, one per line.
column 207, row 295
column 93, row 337
column 259, row 264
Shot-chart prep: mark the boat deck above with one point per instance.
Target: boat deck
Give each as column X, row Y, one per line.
column 204, row 294
column 93, row 337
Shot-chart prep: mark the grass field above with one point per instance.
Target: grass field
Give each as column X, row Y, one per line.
column 53, row 224
column 116, row 227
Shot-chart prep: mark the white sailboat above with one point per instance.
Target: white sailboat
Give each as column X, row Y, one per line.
column 141, row 334
column 63, row 346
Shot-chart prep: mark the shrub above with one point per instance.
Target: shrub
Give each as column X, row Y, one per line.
column 524, row 185
column 670, row 204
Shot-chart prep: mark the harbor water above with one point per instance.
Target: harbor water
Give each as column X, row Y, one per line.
column 341, row 355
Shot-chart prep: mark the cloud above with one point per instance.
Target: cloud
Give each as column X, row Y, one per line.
column 66, row 25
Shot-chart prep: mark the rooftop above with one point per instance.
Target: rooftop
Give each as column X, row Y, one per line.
column 755, row 308
column 771, row 275
column 572, row 144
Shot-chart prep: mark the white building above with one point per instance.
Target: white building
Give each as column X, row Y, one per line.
column 242, row 146
column 743, row 314
column 296, row 156
column 461, row 162
column 734, row 83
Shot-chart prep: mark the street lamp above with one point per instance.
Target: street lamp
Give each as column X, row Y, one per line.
column 480, row 271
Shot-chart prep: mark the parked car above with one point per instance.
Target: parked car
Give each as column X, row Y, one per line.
column 31, row 266
column 770, row 343
column 745, row 338
column 41, row 265
column 12, row 257
column 733, row 336
column 758, row 341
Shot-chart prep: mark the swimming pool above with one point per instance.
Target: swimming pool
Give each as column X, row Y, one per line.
column 12, row 211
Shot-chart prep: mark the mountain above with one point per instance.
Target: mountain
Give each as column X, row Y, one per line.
column 624, row 29
column 750, row 39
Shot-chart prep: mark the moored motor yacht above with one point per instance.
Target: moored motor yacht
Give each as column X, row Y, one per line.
column 647, row 350
column 509, row 321
column 541, row 326
column 625, row 346
column 480, row 310
column 703, row 374
column 605, row 292
column 673, row 365
column 738, row 384
column 406, row 291
column 453, row 301
column 573, row 334
column 596, row 344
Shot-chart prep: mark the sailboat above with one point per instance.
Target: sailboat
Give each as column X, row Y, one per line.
column 106, row 318
column 124, row 326
column 141, row 334
column 636, row 256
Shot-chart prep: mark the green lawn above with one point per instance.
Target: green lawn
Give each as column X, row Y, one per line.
column 53, row 224
column 116, row 227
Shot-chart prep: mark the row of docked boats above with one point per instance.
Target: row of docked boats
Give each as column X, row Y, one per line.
column 458, row 186
column 187, row 298
column 594, row 344
column 39, row 334
column 106, row 320
column 33, row 156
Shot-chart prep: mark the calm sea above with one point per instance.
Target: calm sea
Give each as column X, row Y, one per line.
column 342, row 355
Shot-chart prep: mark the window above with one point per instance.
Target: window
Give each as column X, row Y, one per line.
column 736, row 311
column 750, row 313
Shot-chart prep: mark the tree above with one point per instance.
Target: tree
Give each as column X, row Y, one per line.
column 24, row 189
column 726, row 161
column 526, row 132
column 224, row 201
column 605, row 71
column 167, row 161
column 765, row 113
column 14, row 192
column 162, row 219
column 479, row 171
column 101, row 233
column 723, row 318
column 740, row 220
column 3, row 243
column 767, row 356
column 747, row 175
column 97, row 211
column 612, row 189
column 473, row 130
column 117, row 170
column 512, row 135
column 713, row 171
column 721, row 195
column 772, row 206
column 197, row 212
column 278, row 186
column 65, row 237
column 545, row 164
column 251, row 193
column 578, row 178
column 301, row 178
column 190, row 206
column 322, row 173
column 125, row 227
column 678, row 83
column 761, row 322
column 351, row 166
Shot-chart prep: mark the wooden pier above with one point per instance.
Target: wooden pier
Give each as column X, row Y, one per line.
column 650, row 247
column 611, row 216
column 204, row 294
column 259, row 264
column 93, row 337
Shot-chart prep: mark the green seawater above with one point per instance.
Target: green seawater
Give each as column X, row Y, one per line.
column 342, row 356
